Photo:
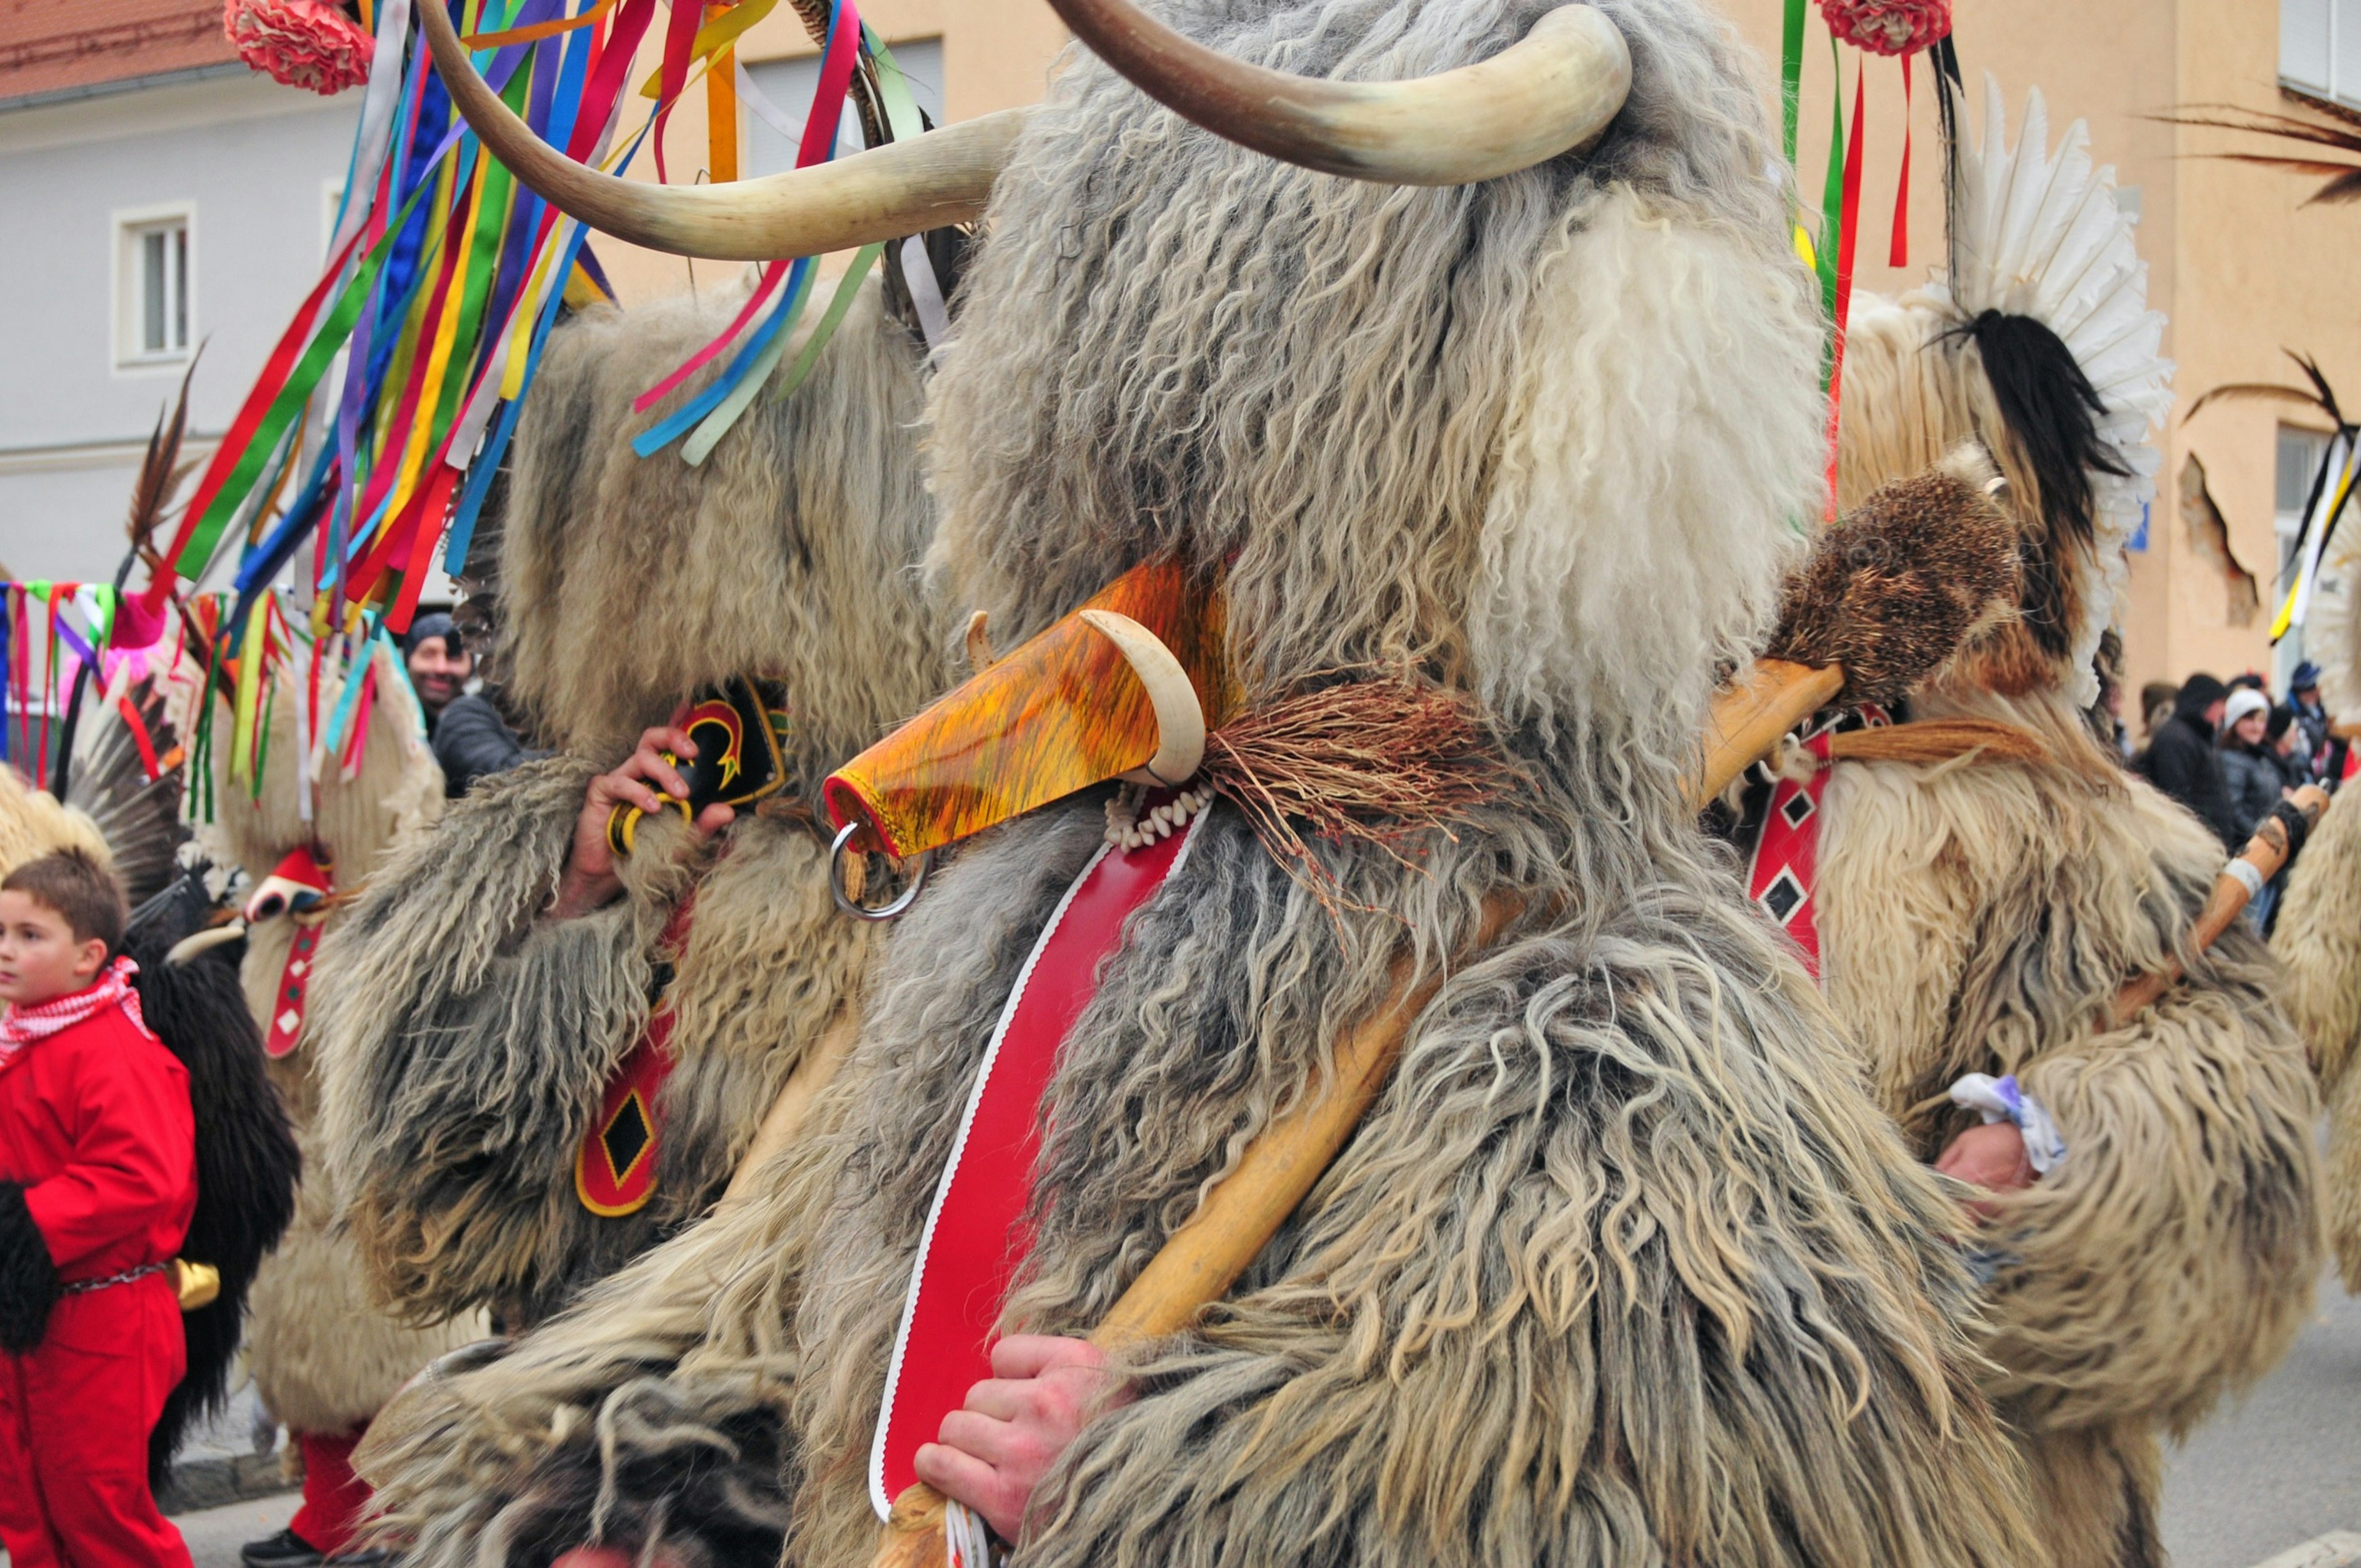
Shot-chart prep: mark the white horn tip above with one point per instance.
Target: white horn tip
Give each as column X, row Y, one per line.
column 1179, row 717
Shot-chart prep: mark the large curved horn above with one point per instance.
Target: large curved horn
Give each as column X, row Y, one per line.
column 1179, row 717
column 902, row 188
column 1552, row 91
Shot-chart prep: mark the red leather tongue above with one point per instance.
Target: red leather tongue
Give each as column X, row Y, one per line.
column 976, row 1238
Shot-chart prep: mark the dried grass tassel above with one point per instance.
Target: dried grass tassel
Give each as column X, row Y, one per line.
column 1378, row 761
column 1930, row 741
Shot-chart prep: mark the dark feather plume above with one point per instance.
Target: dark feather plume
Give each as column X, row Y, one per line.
column 1892, row 589
column 139, row 816
column 159, row 473
column 247, row 1163
column 2311, row 373
column 2343, row 180
column 2253, row 392
column 2052, row 414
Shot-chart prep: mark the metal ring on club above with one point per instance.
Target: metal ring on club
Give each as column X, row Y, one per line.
column 862, row 911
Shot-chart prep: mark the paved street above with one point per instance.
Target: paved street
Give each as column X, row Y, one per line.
column 2284, row 1468
column 214, row 1535
column 2279, row 1470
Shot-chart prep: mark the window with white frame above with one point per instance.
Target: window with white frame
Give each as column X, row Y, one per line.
column 2300, row 452
column 2320, row 48
column 153, row 291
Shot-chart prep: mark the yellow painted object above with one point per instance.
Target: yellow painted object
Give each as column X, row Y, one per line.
column 1060, row 713
column 197, row 1284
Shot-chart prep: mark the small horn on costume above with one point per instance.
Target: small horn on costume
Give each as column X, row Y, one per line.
column 197, row 942
column 1179, row 717
column 903, row 187
column 979, row 642
column 1552, row 91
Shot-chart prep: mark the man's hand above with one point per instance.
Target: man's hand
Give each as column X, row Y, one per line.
column 995, row 1450
column 1990, row 1156
column 589, row 880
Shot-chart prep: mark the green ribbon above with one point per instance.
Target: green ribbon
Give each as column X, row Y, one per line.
column 289, row 406
column 1824, row 256
column 1791, row 75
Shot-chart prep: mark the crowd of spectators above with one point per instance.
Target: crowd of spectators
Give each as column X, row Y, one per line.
column 2231, row 753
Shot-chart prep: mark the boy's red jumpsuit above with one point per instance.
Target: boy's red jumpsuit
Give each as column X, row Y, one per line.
column 95, row 1125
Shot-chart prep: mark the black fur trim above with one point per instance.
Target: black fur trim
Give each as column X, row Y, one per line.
column 716, row 1502
column 2298, row 827
column 247, row 1163
column 28, row 1280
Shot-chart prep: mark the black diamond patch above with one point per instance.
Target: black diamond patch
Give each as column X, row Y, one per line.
column 627, row 1136
column 1799, row 809
column 1783, row 896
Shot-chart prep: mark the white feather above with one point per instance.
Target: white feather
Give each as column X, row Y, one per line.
column 2331, row 633
column 2040, row 234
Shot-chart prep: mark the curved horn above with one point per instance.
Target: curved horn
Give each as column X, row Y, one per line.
column 197, row 942
column 902, row 188
column 1180, row 718
column 1551, row 92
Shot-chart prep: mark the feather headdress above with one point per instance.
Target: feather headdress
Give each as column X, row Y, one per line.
column 2333, row 636
column 2039, row 234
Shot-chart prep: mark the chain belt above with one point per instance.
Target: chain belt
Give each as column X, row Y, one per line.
column 82, row 1286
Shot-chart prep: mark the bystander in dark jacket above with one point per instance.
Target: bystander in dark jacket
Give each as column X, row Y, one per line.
column 470, row 738
column 2182, row 762
column 472, row 741
column 2250, row 766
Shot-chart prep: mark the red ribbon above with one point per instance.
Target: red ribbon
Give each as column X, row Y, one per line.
column 1898, row 251
column 1847, row 234
column 976, row 1238
column 139, row 736
column 679, row 38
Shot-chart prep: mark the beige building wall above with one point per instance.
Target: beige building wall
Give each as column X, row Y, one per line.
column 2238, row 265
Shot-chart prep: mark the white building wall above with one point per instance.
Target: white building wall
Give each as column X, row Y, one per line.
column 257, row 163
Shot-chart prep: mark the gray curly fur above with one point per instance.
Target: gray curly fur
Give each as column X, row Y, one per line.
column 791, row 551
column 1623, row 1268
column 453, row 1115
column 1618, row 1164
column 466, row 1041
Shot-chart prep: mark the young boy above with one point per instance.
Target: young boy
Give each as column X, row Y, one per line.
column 98, row 1183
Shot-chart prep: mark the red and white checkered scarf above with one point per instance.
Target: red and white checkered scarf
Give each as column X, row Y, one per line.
column 21, row 1026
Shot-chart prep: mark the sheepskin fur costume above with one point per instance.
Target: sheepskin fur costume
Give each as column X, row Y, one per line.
column 324, row 1357
column 2318, row 936
column 1622, row 1268
column 1980, row 916
column 467, row 1040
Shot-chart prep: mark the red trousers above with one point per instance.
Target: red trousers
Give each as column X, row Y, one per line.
column 74, row 1419
column 333, row 1495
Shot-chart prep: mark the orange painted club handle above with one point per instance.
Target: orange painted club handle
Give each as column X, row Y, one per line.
column 1748, row 718
column 2267, row 851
